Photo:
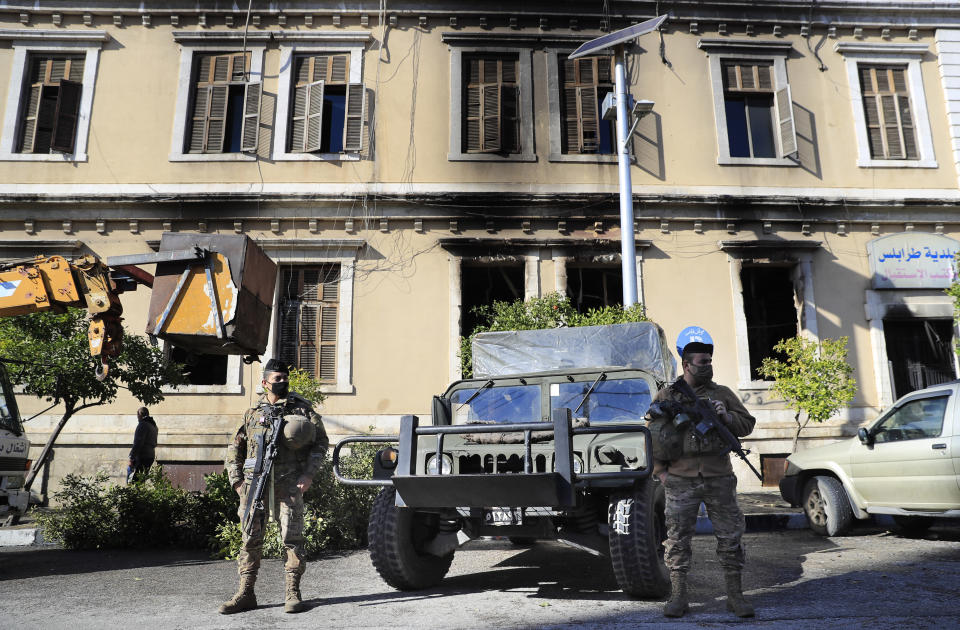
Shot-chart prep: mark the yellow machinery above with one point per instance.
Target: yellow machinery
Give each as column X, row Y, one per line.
column 212, row 293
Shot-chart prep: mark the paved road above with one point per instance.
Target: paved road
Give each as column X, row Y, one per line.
column 797, row 580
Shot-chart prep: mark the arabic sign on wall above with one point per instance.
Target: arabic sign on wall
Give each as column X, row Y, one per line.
column 912, row 260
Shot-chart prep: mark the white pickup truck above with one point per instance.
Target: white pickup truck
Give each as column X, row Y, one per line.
column 905, row 464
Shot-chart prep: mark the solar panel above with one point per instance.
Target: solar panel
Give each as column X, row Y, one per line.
column 618, row 37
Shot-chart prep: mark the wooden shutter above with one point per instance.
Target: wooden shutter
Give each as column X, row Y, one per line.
column 748, row 77
column 490, row 113
column 34, row 98
column 216, row 118
column 65, row 118
column 891, row 133
column 251, row 116
column 589, row 129
column 583, row 80
column 785, row 123
column 307, row 343
column 353, row 118
column 308, row 319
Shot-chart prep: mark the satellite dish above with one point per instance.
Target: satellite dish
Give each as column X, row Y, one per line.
column 617, row 37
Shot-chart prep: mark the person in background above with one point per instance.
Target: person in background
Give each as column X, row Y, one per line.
column 144, row 448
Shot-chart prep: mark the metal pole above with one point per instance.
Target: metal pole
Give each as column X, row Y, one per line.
column 628, row 250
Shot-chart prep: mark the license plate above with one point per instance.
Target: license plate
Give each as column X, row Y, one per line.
column 504, row 516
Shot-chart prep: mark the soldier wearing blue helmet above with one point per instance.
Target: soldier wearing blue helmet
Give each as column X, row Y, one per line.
column 696, row 468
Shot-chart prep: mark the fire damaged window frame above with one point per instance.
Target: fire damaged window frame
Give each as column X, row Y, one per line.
column 905, row 55
column 775, row 252
column 27, row 43
column 554, row 57
column 232, row 381
column 458, row 52
column 311, row 253
column 202, row 42
column 350, row 43
column 723, row 51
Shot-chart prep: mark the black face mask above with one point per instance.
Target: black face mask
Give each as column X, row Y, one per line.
column 701, row 373
column 280, row 390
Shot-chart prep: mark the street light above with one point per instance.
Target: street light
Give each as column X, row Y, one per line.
column 617, row 40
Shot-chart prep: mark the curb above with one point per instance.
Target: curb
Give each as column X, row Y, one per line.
column 20, row 537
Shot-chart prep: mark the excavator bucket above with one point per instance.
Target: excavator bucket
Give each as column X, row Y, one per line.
column 217, row 301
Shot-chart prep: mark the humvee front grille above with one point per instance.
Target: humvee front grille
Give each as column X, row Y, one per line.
column 498, row 463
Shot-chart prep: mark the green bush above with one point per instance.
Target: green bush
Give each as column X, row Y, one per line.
column 149, row 513
column 335, row 515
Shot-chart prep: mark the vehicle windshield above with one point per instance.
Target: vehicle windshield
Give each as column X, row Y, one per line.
column 9, row 416
column 506, row 404
column 612, row 400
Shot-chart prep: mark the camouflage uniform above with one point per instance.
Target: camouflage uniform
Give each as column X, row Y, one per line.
column 706, row 478
column 288, row 467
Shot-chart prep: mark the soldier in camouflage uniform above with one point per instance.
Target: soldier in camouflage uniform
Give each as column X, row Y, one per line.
column 703, row 474
column 303, row 445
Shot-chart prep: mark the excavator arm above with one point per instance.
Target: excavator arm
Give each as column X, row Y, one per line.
column 54, row 283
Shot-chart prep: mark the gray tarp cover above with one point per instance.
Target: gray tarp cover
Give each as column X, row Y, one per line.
column 637, row 345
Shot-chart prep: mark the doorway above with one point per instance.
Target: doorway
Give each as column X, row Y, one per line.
column 919, row 353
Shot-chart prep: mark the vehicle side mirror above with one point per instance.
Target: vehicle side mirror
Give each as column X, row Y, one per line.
column 865, row 437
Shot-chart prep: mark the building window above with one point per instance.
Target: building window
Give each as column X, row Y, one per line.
column 491, row 117
column 886, row 109
column 51, row 103
column 328, row 110
column 890, row 117
column 585, row 84
column 481, row 286
column 50, row 94
column 225, row 112
column 594, row 287
column 491, row 97
column 308, row 312
column 752, row 102
column 201, row 369
column 748, row 104
column 770, row 308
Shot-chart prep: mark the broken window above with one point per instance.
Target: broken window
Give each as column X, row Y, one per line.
column 482, row 286
column 50, row 104
column 770, row 308
column 201, row 369
column 920, row 353
column 594, row 286
column 308, row 313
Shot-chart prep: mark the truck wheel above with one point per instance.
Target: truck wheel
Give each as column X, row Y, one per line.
column 827, row 508
column 912, row 525
column 637, row 531
column 394, row 537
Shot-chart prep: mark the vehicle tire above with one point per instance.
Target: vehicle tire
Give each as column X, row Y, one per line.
column 394, row 536
column 827, row 507
column 637, row 531
column 912, row 525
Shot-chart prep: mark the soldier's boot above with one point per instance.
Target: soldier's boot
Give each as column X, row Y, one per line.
column 735, row 601
column 677, row 605
column 244, row 599
column 293, row 601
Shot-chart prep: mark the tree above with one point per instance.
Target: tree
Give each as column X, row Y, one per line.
column 550, row 311
column 57, row 366
column 813, row 378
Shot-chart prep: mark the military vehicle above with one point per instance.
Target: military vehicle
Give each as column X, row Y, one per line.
column 546, row 442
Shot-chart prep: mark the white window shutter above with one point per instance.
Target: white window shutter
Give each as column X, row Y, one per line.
column 251, row 117
column 313, row 113
column 353, row 119
column 786, row 127
column 30, row 120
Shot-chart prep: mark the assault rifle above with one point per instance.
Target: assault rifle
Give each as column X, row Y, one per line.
column 266, row 452
column 709, row 421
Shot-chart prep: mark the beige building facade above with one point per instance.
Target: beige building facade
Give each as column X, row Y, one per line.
column 405, row 165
